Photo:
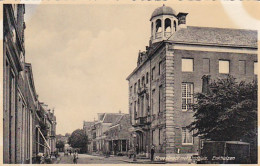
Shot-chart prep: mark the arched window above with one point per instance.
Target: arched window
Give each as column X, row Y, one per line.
column 152, row 29
column 174, row 25
column 158, row 25
column 167, row 25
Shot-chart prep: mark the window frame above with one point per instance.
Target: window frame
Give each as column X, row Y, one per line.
column 153, row 71
column 184, row 58
column 192, row 138
column 160, row 70
column 223, row 60
column 186, row 95
column 255, row 67
column 147, row 78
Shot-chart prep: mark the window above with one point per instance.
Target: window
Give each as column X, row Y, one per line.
column 206, row 65
column 139, row 84
column 160, row 68
column 167, row 25
column 135, row 113
column 187, row 136
column 242, row 67
column 152, row 29
column 147, row 77
column 153, row 133
column 160, row 98
column 187, row 65
column 131, row 112
column 131, row 88
column 160, row 136
column 143, row 81
column 255, row 68
column 187, row 96
column 175, row 27
column 224, row 66
column 158, row 25
column 135, row 88
column 152, row 101
column 153, row 70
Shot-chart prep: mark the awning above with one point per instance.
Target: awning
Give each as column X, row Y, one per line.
column 48, row 146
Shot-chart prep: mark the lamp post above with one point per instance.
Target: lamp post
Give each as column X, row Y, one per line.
column 134, row 136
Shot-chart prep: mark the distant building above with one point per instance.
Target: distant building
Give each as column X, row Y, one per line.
column 95, row 133
column 117, row 137
column 170, row 71
column 62, row 138
column 87, row 128
column 47, row 130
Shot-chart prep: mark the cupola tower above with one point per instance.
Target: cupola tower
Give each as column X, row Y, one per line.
column 165, row 22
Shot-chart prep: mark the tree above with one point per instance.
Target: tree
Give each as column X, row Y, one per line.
column 60, row 145
column 228, row 112
column 67, row 135
column 78, row 139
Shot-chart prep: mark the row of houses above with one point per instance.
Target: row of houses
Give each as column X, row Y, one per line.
column 29, row 126
column 109, row 134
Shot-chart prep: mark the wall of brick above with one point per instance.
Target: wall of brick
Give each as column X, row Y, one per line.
column 182, row 118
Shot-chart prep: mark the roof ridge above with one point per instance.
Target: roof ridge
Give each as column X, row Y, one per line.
column 201, row 27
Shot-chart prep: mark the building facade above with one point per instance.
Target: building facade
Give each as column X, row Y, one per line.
column 117, row 137
column 95, row 132
column 87, row 128
column 20, row 100
column 170, row 71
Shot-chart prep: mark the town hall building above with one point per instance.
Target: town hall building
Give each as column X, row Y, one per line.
column 170, row 71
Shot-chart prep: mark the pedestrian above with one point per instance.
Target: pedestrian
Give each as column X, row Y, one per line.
column 70, row 152
column 77, row 154
column 42, row 159
column 56, row 154
column 137, row 149
column 152, row 153
column 75, row 158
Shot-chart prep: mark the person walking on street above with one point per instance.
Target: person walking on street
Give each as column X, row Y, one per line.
column 75, row 158
column 152, row 153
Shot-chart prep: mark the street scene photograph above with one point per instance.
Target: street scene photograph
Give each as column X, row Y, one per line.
column 135, row 82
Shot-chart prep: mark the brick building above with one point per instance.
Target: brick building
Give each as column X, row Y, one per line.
column 118, row 136
column 20, row 100
column 170, row 71
column 96, row 131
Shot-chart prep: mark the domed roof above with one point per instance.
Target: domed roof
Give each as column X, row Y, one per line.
column 163, row 10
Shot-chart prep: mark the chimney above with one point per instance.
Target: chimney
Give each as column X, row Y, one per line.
column 119, row 111
column 182, row 20
column 205, row 84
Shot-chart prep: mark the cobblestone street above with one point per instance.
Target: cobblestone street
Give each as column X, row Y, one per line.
column 90, row 159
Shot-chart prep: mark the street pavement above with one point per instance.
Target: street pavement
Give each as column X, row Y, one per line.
column 89, row 159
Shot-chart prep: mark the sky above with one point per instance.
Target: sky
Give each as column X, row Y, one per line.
column 82, row 54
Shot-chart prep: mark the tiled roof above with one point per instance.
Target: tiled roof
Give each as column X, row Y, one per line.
column 216, row 36
column 111, row 117
column 120, row 118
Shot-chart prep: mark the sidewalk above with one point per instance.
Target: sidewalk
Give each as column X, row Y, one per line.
column 138, row 161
